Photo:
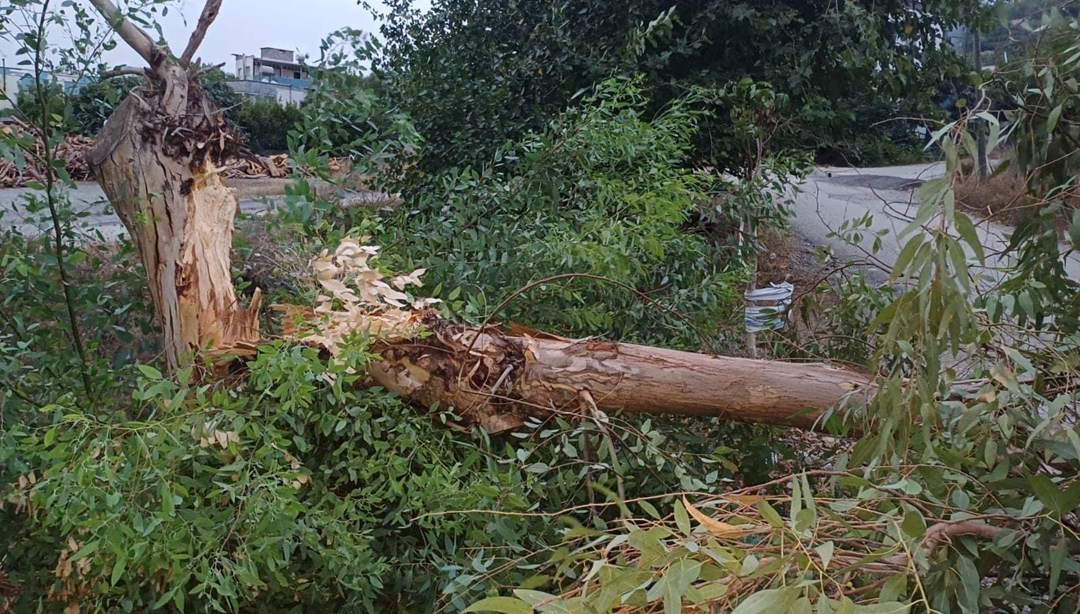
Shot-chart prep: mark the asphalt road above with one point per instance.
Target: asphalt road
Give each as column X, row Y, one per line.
column 889, row 195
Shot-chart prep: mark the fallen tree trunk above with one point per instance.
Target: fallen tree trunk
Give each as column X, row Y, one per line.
column 497, row 380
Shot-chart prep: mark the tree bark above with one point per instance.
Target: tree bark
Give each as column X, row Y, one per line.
column 157, row 161
column 498, row 379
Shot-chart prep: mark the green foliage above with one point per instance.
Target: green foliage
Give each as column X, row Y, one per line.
column 300, row 489
column 32, row 102
column 95, row 103
column 1045, row 134
column 345, row 114
column 216, row 85
column 265, row 123
column 473, row 76
column 602, row 190
column 958, row 495
column 85, row 110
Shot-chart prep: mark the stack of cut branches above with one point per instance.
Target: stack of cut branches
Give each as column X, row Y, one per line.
column 70, row 152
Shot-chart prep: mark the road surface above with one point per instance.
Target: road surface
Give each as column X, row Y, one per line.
column 90, row 203
column 889, row 195
column 87, row 199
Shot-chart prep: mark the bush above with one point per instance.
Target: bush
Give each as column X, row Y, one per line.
column 95, row 102
column 602, row 190
column 265, row 123
column 28, row 106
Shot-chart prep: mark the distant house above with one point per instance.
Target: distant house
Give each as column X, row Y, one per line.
column 274, row 73
column 15, row 79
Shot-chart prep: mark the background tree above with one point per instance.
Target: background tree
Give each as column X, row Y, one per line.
column 473, row 75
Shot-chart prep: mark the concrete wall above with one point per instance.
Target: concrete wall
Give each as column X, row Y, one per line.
column 283, row 93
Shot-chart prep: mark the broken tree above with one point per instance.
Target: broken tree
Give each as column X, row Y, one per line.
column 497, row 378
column 158, row 160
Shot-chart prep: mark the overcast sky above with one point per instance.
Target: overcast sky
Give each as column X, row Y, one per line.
column 243, row 26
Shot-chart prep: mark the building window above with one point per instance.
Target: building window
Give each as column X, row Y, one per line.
column 296, row 74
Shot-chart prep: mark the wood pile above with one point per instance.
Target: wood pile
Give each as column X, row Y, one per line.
column 70, row 151
column 258, row 166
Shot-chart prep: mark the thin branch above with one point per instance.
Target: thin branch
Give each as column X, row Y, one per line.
column 202, row 70
column 943, row 532
column 124, row 71
column 132, row 34
column 209, row 14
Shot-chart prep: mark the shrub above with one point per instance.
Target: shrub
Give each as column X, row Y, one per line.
column 95, row 102
column 603, row 191
column 265, row 123
column 28, row 105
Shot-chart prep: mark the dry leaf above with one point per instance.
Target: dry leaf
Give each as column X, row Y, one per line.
column 719, row 529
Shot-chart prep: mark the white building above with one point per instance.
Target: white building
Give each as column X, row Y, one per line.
column 15, row 79
column 273, row 73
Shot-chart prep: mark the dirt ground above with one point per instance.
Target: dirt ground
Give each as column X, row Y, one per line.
column 1003, row 197
column 788, row 257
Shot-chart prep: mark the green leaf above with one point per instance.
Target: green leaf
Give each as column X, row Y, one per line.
column 1049, row 493
column 970, row 584
column 1074, row 438
column 1057, row 561
column 894, row 588
column 682, row 519
column 118, row 570
column 85, row 551
column 1074, row 229
column 774, row 600
column 906, row 254
column 533, row 598
column 825, row 551
column 544, row 602
column 501, row 605
column 970, row 236
column 1052, row 119
column 168, row 507
column 650, row 509
column 770, row 514
column 913, row 524
column 163, row 599
column 678, row 578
